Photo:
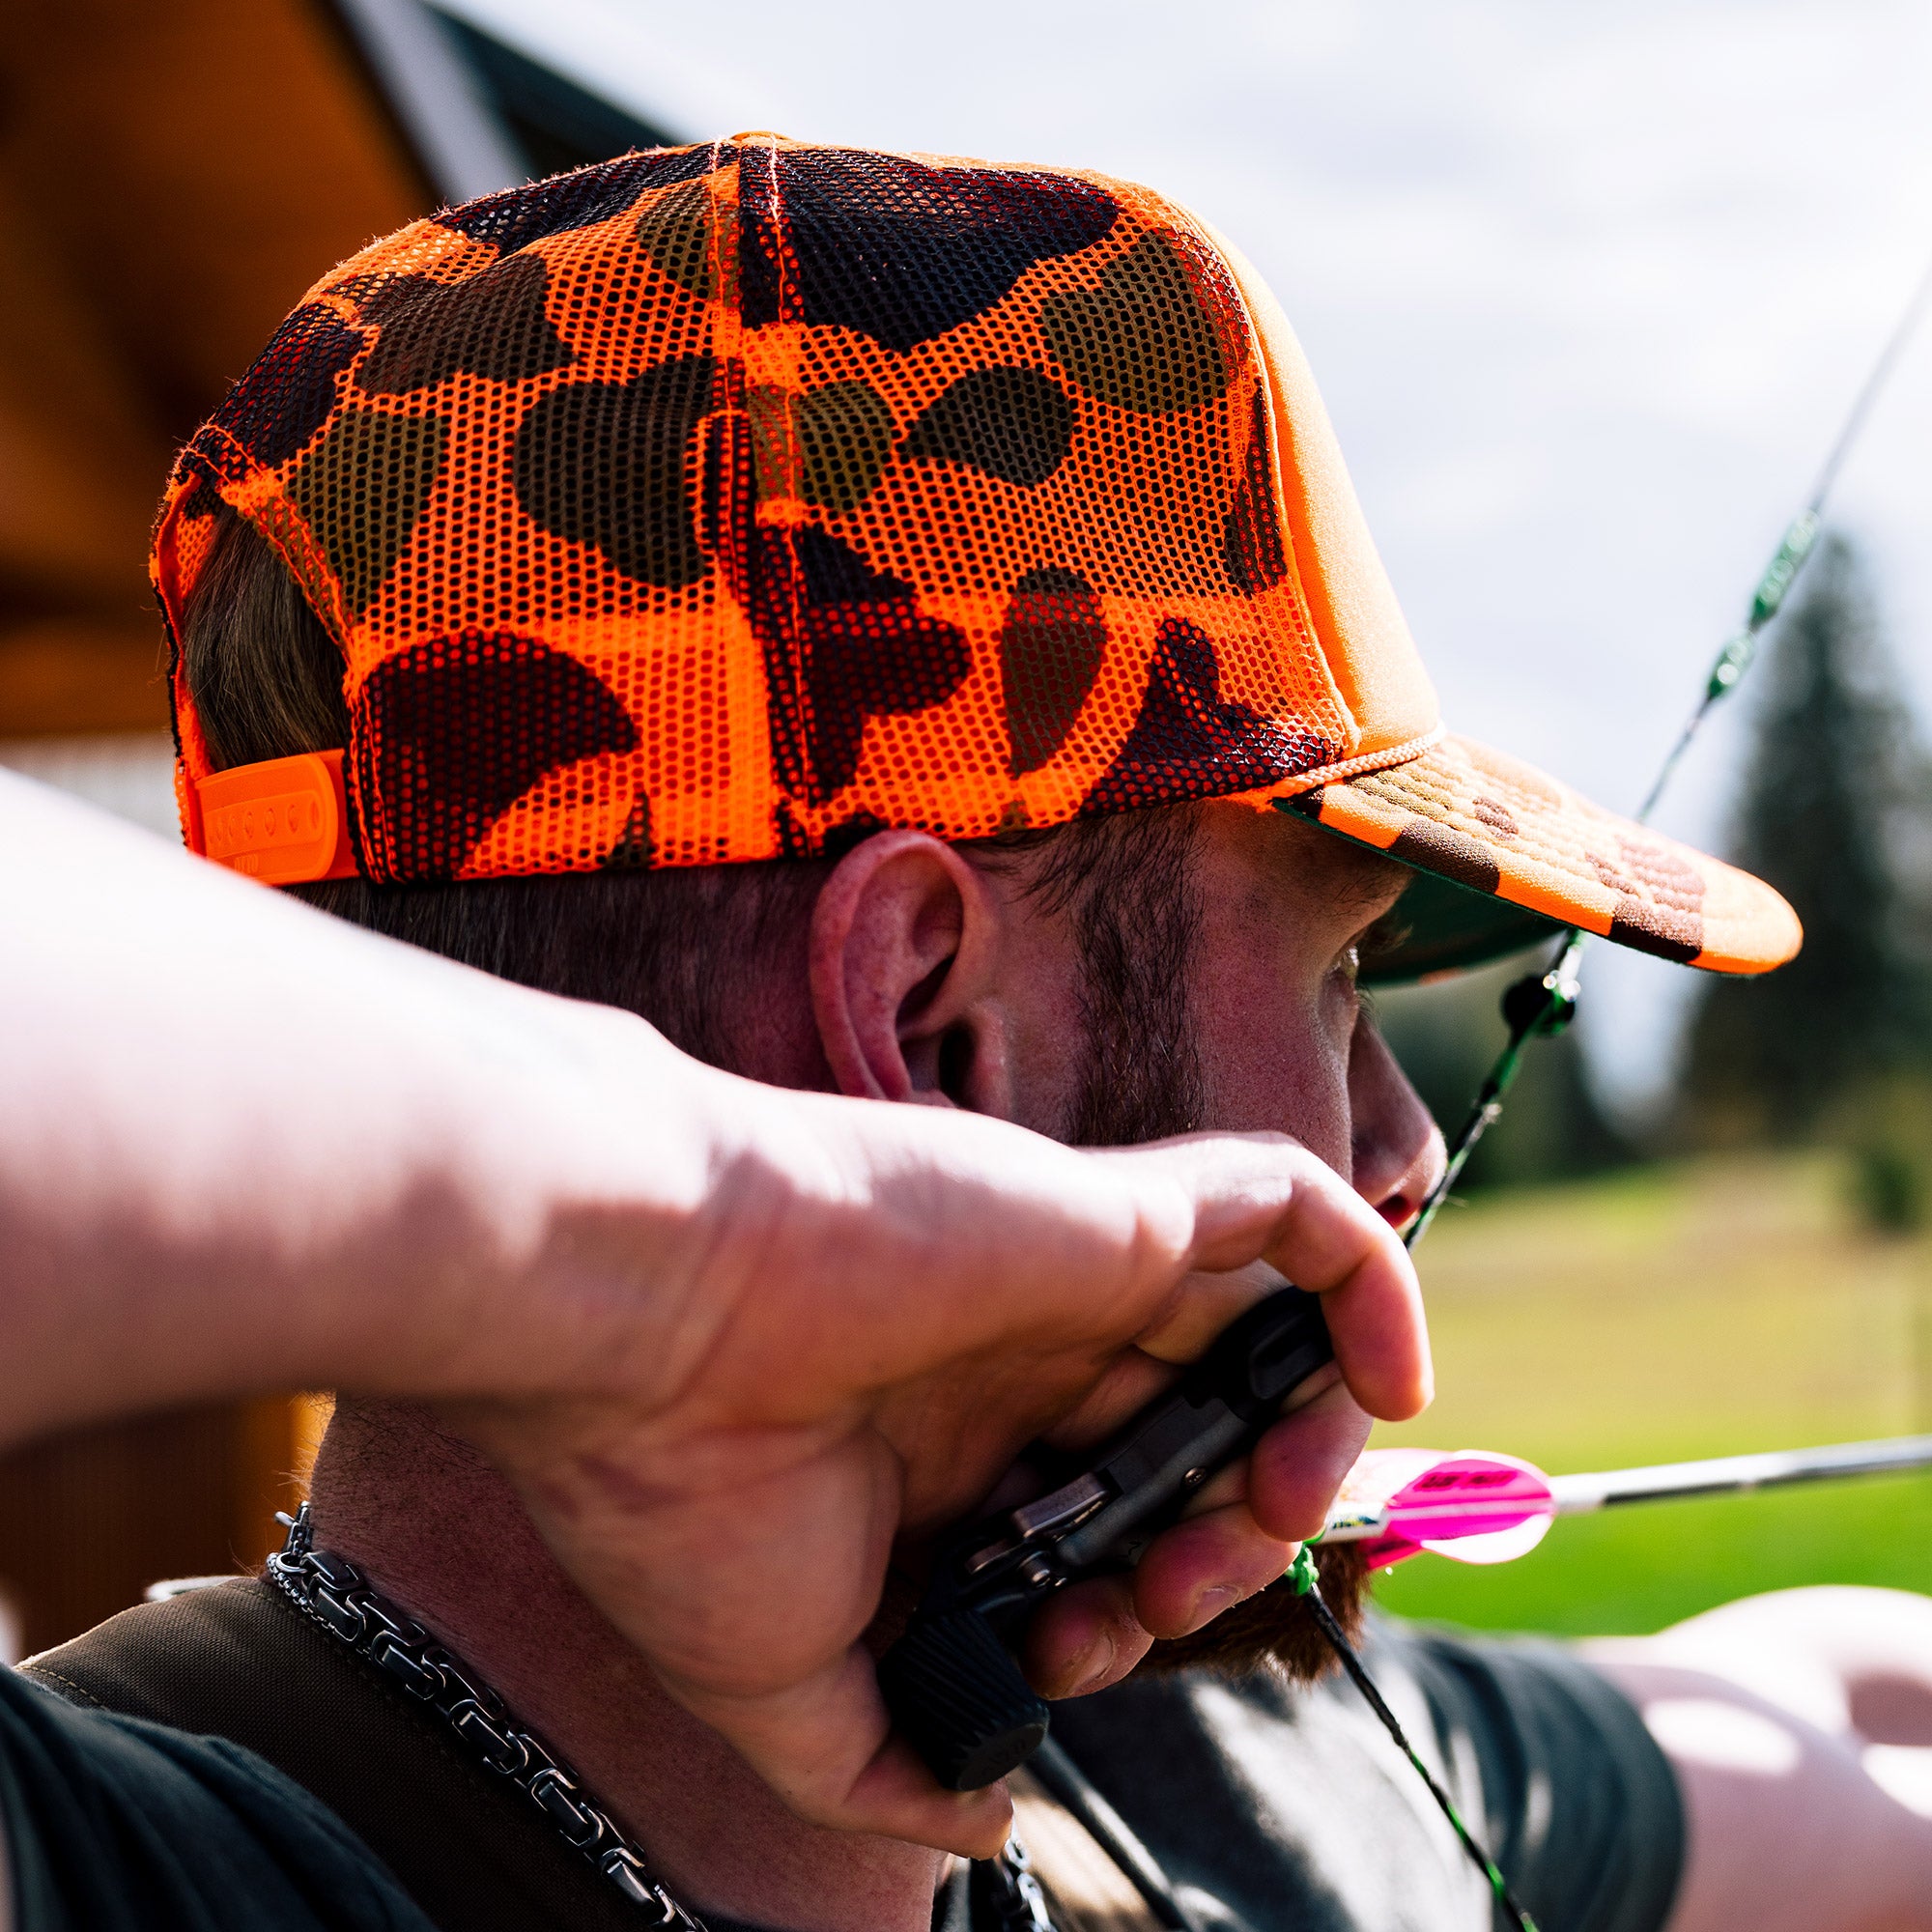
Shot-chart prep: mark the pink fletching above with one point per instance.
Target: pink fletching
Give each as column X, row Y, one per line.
column 1469, row 1494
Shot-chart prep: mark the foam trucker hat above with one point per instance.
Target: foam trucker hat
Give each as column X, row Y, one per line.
column 727, row 503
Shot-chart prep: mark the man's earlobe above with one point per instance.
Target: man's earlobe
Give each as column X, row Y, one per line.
column 905, row 938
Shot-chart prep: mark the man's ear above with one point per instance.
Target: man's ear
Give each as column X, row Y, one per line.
column 906, row 940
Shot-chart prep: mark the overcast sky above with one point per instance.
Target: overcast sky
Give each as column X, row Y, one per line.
column 1586, row 289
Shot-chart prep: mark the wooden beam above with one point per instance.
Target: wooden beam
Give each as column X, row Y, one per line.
column 172, row 179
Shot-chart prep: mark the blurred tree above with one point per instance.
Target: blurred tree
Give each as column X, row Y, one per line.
column 1832, row 812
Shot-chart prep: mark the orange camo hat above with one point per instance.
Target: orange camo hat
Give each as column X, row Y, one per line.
column 731, row 502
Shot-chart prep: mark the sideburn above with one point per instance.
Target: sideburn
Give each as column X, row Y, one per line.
column 1128, row 885
column 1137, row 917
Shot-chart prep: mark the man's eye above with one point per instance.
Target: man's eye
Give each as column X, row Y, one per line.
column 1347, row 966
column 1387, row 935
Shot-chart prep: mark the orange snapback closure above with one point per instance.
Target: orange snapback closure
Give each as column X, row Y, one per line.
column 284, row 821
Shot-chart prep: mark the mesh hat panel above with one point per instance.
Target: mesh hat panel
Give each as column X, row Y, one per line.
column 727, row 502
column 717, row 502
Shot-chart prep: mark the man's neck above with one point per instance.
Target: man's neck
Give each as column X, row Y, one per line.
column 440, row 1530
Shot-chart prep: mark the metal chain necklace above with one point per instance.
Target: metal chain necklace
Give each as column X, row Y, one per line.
column 1017, row 1900
column 335, row 1596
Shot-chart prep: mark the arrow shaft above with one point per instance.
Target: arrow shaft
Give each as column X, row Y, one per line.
column 1729, row 1475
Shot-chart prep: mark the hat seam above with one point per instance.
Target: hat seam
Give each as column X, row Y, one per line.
column 1344, row 769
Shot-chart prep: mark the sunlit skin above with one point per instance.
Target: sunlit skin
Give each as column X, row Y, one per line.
column 1767, row 1709
column 1812, row 1844
column 1282, row 1046
column 482, row 1196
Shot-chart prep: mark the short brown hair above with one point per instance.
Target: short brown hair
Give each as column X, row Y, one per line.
column 688, row 948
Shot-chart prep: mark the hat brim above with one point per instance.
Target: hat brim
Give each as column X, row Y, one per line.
column 1522, row 857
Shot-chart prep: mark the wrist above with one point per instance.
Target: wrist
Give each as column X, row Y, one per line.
column 578, row 1150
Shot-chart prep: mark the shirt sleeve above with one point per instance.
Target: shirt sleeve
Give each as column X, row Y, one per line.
column 1583, row 1808
column 117, row 1826
column 1270, row 1805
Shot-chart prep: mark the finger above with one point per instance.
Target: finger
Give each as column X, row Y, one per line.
column 1204, row 1566
column 1319, row 1233
column 1018, row 1238
column 1265, row 1197
column 1380, row 1334
column 1297, row 1467
column 823, row 1746
column 1334, row 1245
column 1242, row 1532
column 1229, row 1485
column 1084, row 1638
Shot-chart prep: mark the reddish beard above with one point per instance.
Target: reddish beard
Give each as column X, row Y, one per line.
column 1273, row 1629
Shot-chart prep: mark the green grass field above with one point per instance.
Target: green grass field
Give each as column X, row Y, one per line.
column 1696, row 1310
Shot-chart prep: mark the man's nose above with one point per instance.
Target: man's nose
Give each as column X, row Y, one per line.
column 1397, row 1147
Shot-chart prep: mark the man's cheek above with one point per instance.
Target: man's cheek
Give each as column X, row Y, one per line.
column 1338, row 1044
column 1279, row 1071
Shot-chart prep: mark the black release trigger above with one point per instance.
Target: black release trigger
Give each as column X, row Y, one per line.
column 1290, row 1348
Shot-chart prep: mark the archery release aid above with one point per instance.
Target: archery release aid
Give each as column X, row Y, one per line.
column 951, row 1681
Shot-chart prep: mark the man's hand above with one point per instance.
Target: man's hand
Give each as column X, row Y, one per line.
column 727, row 1339
column 876, row 1309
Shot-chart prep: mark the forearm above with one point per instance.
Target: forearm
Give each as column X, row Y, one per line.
column 723, row 1339
column 242, row 1145
column 1763, row 1708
